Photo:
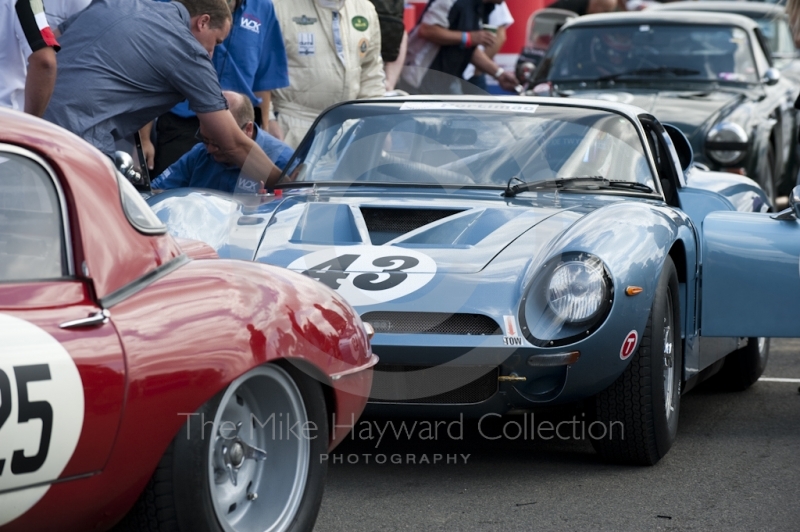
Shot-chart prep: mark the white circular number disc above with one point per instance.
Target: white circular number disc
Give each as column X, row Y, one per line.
column 364, row 280
column 24, row 344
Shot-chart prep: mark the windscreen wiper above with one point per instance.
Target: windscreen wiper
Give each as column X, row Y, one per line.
column 586, row 182
column 675, row 71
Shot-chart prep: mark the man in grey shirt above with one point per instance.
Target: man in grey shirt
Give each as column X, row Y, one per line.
column 125, row 62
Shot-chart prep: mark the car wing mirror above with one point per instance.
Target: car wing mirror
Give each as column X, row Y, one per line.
column 793, row 212
column 682, row 146
column 772, row 76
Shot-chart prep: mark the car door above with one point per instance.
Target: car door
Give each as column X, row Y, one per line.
column 750, row 275
column 61, row 365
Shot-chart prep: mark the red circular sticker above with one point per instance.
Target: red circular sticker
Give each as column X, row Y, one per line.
column 629, row 345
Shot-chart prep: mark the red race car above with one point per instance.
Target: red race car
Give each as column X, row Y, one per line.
column 142, row 383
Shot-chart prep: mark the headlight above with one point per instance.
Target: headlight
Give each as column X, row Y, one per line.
column 577, row 290
column 726, row 143
column 568, row 300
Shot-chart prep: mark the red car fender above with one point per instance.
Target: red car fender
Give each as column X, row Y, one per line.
column 186, row 336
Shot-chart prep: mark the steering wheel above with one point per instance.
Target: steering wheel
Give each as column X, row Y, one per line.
column 413, row 172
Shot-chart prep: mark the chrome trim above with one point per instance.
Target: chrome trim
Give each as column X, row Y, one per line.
column 51, row 482
column 373, row 359
column 143, row 282
column 98, row 318
column 24, row 152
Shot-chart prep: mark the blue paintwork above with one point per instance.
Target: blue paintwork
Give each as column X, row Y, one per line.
column 492, row 249
column 751, row 275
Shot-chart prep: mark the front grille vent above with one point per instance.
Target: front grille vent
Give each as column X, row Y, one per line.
column 446, row 384
column 431, row 323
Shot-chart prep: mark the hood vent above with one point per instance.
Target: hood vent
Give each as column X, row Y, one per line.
column 387, row 224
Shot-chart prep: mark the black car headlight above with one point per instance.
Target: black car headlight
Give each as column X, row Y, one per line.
column 567, row 301
column 726, row 143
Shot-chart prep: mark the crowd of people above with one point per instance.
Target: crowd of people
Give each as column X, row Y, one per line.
column 158, row 69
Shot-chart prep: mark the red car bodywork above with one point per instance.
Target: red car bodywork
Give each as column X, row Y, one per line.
column 180, row 330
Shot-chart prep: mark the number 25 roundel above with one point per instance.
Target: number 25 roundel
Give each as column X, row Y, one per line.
column 367, row 275
column 41, row 413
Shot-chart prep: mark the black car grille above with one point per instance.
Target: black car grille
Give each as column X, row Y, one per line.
column 387, row 224
column 431, row 323
column 433, row 384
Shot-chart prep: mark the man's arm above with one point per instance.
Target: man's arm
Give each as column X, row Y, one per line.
column 40, row 81
column 147, row 145
column 268, row 121
column 445, row 37
column 41, row 78
column 500, row 39
column 220, row 128
column 482, row 62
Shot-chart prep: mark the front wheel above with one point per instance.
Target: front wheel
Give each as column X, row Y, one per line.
column 257, row 466
column 640, row 409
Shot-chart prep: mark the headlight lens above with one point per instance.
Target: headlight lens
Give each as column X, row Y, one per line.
column 727, row 143
column 577, row 290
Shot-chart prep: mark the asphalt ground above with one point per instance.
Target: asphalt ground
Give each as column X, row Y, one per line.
column 735, row 466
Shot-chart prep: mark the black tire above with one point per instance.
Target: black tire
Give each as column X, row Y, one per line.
column 638, row 398
column 744, row 366
column 179, row 496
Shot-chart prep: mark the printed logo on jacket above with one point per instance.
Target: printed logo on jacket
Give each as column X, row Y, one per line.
column 250, row 22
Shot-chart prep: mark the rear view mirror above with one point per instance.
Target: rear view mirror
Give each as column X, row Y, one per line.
column 793, row 212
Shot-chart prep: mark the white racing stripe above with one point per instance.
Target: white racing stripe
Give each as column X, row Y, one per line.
column 776, row 379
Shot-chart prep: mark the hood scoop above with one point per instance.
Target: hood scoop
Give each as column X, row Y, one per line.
column 388, row 224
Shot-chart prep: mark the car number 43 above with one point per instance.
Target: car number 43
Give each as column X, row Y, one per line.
column 367, row 275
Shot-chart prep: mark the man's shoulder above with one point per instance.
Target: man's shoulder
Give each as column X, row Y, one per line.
column 258, row 6
column 362, row 6
column 267, row 141
column 290, row 7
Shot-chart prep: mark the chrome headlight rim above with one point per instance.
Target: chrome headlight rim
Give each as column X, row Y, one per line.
column 726, row 143
column 535, row 301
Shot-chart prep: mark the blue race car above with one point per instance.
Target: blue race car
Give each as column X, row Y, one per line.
column 513, row 253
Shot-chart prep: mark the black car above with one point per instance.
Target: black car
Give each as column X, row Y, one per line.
column 542, row 27
column 710, row 74
column 771, row 18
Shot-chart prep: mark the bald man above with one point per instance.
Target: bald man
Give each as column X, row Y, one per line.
column 207, row 166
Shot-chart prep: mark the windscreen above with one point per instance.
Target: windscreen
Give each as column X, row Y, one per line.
column 644, row 51
column 469, row 143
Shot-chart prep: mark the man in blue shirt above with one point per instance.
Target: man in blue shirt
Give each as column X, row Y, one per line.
column 205, row 166
column 251, row 61
column 124, row 62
